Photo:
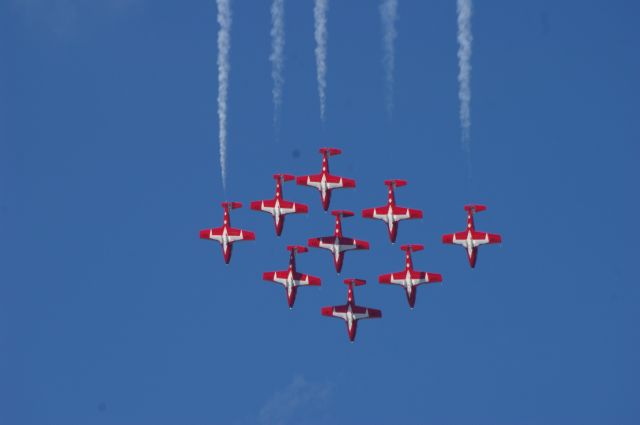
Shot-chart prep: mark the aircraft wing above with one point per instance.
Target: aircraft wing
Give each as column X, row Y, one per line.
column 339, row 311
column 324, row 242
column 392, row 278
column 366, row 313
column 240, row 235
column 402, row 213
column 301, row 279
column 266, row 205
column 287, row 207
column 459, row 238
column 311, row 180
column 379, row 213
column 213, row 234
column 481, row 238
column 334, row 182
column 276, row 277
column 418, row 278
column 350, row 243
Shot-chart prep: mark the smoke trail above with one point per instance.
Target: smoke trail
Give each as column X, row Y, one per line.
column 320, row 20
column 224, row 44
column 464, row 63
column 276, row 57
column 389, row 15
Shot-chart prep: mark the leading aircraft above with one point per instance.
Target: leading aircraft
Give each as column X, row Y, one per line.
column 290, row 278
column 391, row 213
column 278, row 207
column 324, row 181
column 350, row 312
column 471, row 239
column 410, row 278
column 226, row 234
column 337, row 243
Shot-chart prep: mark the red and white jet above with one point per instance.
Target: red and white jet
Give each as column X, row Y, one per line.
column 350, row 312
column 290, row 278
column 226, row 234
column 470, row 239
column 391, row 213
column 278, row 207
column 324, row 181
column 410, row 278
column 337, row 243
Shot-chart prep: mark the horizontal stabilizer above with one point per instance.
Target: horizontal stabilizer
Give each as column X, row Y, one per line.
column 297, row 248
column 396, row 183
column 412, row 248
column 232, row 205
column 285, row 177
column 342, row 213
column 355, row 282
column 330, row 151
column 474, row 208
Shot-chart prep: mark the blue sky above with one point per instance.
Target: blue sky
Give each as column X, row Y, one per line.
column 112, row 311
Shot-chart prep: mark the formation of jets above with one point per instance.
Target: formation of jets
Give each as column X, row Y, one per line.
column 391, row 214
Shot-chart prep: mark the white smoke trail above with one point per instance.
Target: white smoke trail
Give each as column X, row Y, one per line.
column 224, row 44
column 389, row 15
column 320, row 20
column 464, row 63
column 277, row 54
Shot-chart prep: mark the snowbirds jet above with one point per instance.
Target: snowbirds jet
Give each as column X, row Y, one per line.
column 471, row 239
column 350, row 312
column 290, row 278
column 410, row 278
column 391, row 213
column 337, row 243
column 226, row 234
column 278, row 207
column 324, row 181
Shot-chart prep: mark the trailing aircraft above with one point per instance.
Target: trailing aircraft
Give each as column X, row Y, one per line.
column 350, row 312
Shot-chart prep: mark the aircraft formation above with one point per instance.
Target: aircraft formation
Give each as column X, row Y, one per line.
column 338, row 244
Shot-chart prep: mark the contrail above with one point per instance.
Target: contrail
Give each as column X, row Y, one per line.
column 224, row 44
column 389, row 15
column 464, row 64
column 277, row 54
column 320, row 19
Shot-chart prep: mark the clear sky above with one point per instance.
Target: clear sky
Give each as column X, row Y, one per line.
column 112, row 311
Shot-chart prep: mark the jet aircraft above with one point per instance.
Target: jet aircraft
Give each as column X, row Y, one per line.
column 226, row 234
column 278, row 207
column 324, row 181
column 471, row 239
column 350, row 312
column 410, row 278
column 391, row 213
column 290, row 278
column 337, row 243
